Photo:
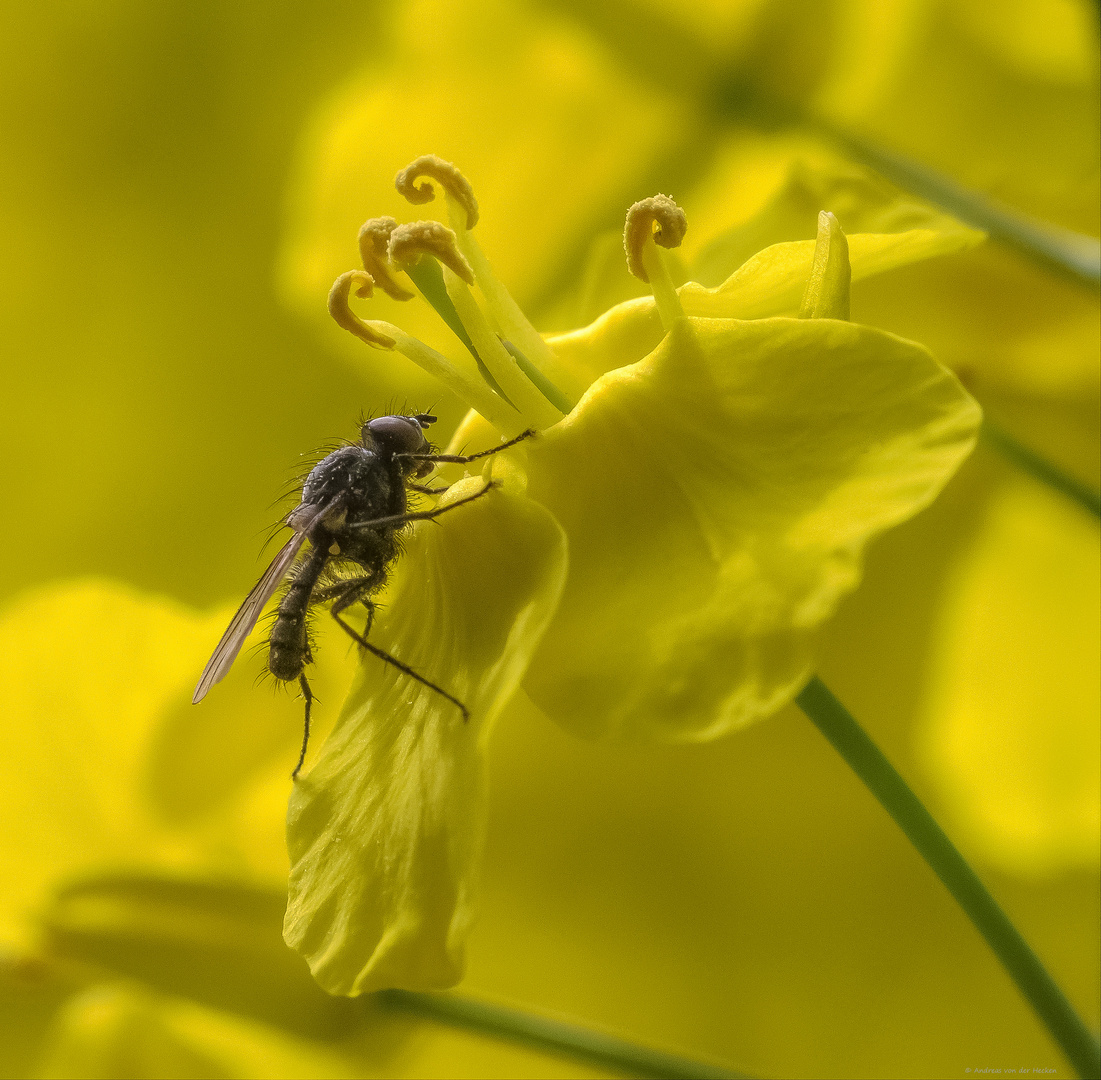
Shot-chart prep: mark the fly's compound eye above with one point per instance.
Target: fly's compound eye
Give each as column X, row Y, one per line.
column 396, row 434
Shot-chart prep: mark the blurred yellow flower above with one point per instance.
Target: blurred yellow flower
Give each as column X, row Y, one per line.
column 149, row 851
column 1019, row 655
column 657, row 567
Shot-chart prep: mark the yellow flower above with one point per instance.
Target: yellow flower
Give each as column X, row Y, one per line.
column 657, row 890
column 141, row 918
column 141, row 922
column 656, row 563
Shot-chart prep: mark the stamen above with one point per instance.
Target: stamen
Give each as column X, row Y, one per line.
column 530, row 352
column 427, row 275
column 374, row 240
column 384, row 335
column 657, row 220
column 506, row 373
column 531, row 349
column 446, row 175
column 828, row 290
column 551, row 392
column 466, row 387
column 341, row 311
column 671, row 224
column 409, row 242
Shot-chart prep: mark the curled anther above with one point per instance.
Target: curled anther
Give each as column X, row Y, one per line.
column 409, row 242
column 657, row 218
column 374, row 240
column 342, row 313
column 446, row 175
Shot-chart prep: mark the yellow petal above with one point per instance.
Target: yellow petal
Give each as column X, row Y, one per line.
column 216, row 941
column 1005, row 325
column 384, row 832
column 770, row 283
column 112, row 766
column 88, row 667
column 1011, row 735
column 716, row 497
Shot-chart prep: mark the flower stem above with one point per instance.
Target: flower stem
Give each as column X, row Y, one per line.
column 1041, row 468
column 868, row 762
column 1070, row 253
column 553, row 1035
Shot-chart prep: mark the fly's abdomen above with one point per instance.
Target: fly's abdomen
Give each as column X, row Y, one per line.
column 288, row 648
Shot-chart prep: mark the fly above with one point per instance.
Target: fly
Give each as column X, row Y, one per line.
column 354, row 503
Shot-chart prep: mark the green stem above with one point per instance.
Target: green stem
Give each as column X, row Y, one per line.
column 553, row 1035
column 428, row 278
column 539, row 380
column 1060, row 249
column 1070, row 253
column 1040, row 468
column 868, row 762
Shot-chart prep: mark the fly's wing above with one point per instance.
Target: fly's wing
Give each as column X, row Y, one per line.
column 249, row 612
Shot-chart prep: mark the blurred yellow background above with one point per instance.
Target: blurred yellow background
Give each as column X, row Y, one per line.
column 176, row 179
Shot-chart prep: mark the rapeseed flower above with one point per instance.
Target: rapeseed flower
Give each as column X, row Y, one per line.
column 662, row 890
column 1002, row 99
column 656, row 564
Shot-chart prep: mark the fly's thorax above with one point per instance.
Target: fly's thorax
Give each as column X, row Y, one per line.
column 359, row 484
column 337, row 473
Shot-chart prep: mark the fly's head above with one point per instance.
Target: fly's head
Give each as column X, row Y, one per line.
column 390, row 435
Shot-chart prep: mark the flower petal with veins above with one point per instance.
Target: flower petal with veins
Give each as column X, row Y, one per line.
column 385, row 830
column 717, row 496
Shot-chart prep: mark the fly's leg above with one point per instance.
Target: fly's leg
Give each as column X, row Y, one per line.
column 424, row 515
column 460, row 459
column 307, row 696
column 346, row 601
column 346, row 593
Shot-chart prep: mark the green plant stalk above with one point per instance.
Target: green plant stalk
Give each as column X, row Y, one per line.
column 1040, row 468
column 868, row 762
column 1066, row 252
column 1069, row 253
column 428, row 278
column 552, row 1035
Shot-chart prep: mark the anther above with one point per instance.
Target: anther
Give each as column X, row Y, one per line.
column 409, row 242
column 446, row 175
column 341, row 311
column 374, row 240
column 670, row 222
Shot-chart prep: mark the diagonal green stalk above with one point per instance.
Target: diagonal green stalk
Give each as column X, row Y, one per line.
column 555, row 1036
column 1059, row 249
column 1041, row 468
column 428, row 278
column 869, row 763
column 1069, row 253
column 539, row 380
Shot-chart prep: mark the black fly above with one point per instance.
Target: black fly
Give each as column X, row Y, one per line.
column 353, row 505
